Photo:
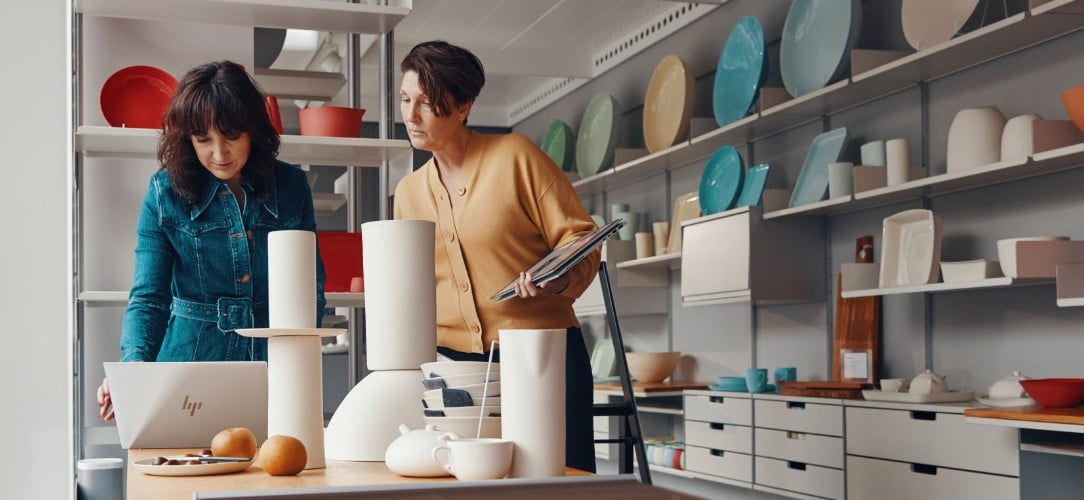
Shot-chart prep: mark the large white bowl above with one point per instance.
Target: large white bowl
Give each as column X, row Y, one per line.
column 437, row 403
column 476, row 391
column 1006, row 251
column 467, row 427
column 652, row 367
column 910, row 248
column 457, row 381
column 969, row 270
column 470, row 411
column 449, row 368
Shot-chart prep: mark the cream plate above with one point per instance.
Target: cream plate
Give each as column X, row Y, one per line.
column 145, row 466
column 289, row 332
column 1007, row 403
column 909, row 397
column 931, row 22
column 668, row 104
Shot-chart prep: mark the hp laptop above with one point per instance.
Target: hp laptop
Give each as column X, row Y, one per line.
column 183, row 405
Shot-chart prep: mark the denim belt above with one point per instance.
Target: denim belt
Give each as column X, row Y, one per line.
column 230, row 313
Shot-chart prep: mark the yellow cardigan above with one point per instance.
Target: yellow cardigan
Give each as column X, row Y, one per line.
column 515, row 207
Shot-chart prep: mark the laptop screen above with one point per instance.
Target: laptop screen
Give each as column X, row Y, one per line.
column 183, row 405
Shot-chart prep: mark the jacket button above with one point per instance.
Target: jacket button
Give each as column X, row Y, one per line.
column 250, row 234
column 244, row 278
column 462, row 191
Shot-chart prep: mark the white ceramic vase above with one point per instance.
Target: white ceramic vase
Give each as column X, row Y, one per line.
column 1017, row 141
column 974, row 138
column 533, row 400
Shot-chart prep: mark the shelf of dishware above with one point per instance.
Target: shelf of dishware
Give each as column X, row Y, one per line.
column 119, row 142
column 318, row 15
column 997, row 40
column 103, row 298
column 303, row 85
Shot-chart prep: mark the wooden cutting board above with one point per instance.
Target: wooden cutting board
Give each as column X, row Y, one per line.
column 858, row 320
column 823, row 389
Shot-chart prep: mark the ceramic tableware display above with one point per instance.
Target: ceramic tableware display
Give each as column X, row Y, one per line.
column 730, row 384
column 812, row 183
column 926, row 387
column 410, row 454
column 741, row 71
column 786, row 374
column 645, row 245
column 840, row 179
column 897, row 161
column 475, row 459
column 668, row 104
column 1055, row 392
column 533, row 404
column 273, row 112
column 753, row 188
column 910, row 249
column 632, row 224
column 1006, row 251
column 603, row 360
column 721, row 180
column 559, row 144
column 597, row 137
column 974, row 138
column 330, row 121
column 1008, row 392
column 136, row 97
column 1073, row 99
column 756, row 379
column 818, row 36
column 1017, row 139
column 927, row 382
column 927, row 23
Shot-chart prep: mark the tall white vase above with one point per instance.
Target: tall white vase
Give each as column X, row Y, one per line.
column 533, row 400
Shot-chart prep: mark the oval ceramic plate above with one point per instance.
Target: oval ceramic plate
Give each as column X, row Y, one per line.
column 558, row 144
column 817, row 40
column 741, row 70
column 1006, row 403
column 597, row 138
column 668, row 104
column 812, row 183
column 721, row 180
column 289, row 332
column 267, row 45
column 931, row 22
column 136, row 97
column 146, row 466
column 753, row 187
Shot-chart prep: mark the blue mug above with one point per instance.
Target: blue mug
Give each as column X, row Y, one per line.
column 756, row 379
column 788, row 374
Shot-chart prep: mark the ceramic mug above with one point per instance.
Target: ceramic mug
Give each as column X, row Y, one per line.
column 892, row 384
column 840, row 179
column 617, row 208
column 897, row 161
column 645, row 245
column 873, row 153
column 661, row 231
column 787, row 374
column 475, row 459
column 632, row 224
column 756, row 379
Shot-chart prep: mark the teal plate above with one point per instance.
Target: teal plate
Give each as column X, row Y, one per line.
column 817, row 40
column 812, row 184
column 721, row 180
column 740, row 73
column 728, row 389
column 558, row 144
column 598, row 135
column 753, row 188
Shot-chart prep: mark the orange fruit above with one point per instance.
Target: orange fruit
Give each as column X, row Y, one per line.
column 283, row 455
column 234, row 442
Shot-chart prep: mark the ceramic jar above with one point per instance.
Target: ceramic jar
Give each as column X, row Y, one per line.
column 974, row 138
column 1008, row 387
column 410, row 454
column 928, row 382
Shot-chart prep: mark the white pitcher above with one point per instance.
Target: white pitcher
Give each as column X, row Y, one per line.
column 533, row 400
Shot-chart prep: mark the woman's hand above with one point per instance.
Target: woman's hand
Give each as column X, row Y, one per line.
column 525, row 288
column 105, row 403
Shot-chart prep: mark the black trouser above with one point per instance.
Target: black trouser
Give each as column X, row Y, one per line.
column 579, row 423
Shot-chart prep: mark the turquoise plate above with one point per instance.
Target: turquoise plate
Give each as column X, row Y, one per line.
column 728, row 389
column 817, row 40
column 721, row 180
column 812, row 184
column 598, row 135
column 740, row 73
column 558, row 144
column 753, row 188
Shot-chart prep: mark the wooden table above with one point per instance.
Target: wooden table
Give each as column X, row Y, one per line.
column 1031, row 417
column 338, row 473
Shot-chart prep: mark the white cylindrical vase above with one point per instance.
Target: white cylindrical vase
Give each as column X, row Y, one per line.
column 291, row 279
column 400, row 294
column 295, row 401
column 533, row 400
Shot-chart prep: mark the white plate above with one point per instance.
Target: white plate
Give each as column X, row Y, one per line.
column 1007, row 403
column 289, row 332
column 910, row 249
column 927, row 23
column 907, row 397
column 145, row 466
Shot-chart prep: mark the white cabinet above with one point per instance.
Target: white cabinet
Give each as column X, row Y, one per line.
column 798, row 477
column 738, row 256
column 798, row 444
column 719, row 436
column 870, row 478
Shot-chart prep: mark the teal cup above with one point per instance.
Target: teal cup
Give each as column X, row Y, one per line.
column 756, row 379
column 788, row 374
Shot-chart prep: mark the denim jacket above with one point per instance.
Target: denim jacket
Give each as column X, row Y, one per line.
column 201, row 271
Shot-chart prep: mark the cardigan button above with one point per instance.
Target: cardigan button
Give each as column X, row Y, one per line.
column 451, row 237
column 462, row 191
column 475, row 328
column 463, row 287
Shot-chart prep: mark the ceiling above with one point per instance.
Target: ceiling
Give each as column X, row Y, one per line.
column 533, row 51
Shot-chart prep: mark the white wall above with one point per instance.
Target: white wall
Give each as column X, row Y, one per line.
column 35, row 270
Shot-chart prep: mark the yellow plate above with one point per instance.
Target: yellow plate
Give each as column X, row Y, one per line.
column 668, row 105
column 146, row 467
column 687, row 206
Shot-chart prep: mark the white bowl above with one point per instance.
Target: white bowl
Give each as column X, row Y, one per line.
column 969, row 270
column 467, row 427
column 437, row 403
column 476, row 391
column 456, row 381
column 469, row 411
column 449, row 368
column 1006, row 251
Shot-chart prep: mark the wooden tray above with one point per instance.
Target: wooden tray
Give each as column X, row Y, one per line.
column 823, row 389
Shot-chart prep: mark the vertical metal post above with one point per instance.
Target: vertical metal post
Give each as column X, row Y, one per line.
column 353, row 89
column 78, row 350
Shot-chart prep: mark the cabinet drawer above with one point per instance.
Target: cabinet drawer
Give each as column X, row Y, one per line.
column 719, row 436
column 800, row 477
column 705, row 247
column 728, row 464
column 800, row 417
column 923, row 437
column 719, row 409
column 869, row 478
column 800, row 447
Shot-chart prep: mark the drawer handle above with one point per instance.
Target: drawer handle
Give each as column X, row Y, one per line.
column 791, row 405
column 715, row 399
column 924, row 469
column 795, row 465
column 717, row 453
column 795, row 435
column 717, row 427
column 924, row 415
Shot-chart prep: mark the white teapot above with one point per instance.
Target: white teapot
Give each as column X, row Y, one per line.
column 928, row 382
column 411, row 454
column 1009, row 387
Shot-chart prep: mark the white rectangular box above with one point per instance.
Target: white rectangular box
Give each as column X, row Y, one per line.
column 885, row 480
column 802, row 478
column 800, row 447
column 719, row 436
column 799, row 416
column 719, row 409
column 728, row 464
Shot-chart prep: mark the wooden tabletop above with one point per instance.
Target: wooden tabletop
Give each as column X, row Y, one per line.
column 654, row 386
column 337, row 473
column 1031, row 414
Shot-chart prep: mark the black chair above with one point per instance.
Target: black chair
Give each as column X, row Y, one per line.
column 630, row 438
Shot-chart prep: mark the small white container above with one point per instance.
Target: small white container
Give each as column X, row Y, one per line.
column 1006, row 251
column 969, row 270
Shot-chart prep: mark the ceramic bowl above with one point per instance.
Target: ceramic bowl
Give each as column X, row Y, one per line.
column 331, row 121
column 1055, row 392
column 652, row 366
column 475, row 391
column 1074, row 105
column 449, row 368
column 974, row 138
column 1006, row 251
column 467, row 427
column 969, row 270
column 437, row 403
column 456, row 381
column 492, row 410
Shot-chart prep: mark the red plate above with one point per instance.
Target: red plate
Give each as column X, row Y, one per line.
column 137, row 97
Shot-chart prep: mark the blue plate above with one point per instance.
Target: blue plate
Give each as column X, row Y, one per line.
column 721, row 180
column 728, row 389
column 598, row 135
column 753, row 188
column 817, row 40
column 812, row 184
column 740, row 73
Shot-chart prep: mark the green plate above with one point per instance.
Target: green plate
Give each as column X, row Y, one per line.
column 597, row 139
column 558, row 143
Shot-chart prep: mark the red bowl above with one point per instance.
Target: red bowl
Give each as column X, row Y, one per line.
column 136, row 97
column 1055, row 392
column 1074, row 105
column 331, row 121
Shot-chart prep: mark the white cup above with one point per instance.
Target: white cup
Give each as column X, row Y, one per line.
column 897, row 161
column 840, row 179
column 645, row 245
column 100, row 478
column 661, row 232
column 632, row 225
column 892, row 384
column 873, row 153
column 476, row 459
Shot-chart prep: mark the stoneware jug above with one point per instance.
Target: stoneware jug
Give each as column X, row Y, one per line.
column 533, row 400
column 1008, row 387
column 411, row 454
column 928, row 382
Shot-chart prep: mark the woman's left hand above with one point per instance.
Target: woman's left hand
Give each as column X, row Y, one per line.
column 525, row 288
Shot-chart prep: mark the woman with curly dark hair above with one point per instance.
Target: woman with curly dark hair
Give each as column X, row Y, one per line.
column 201, row 243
